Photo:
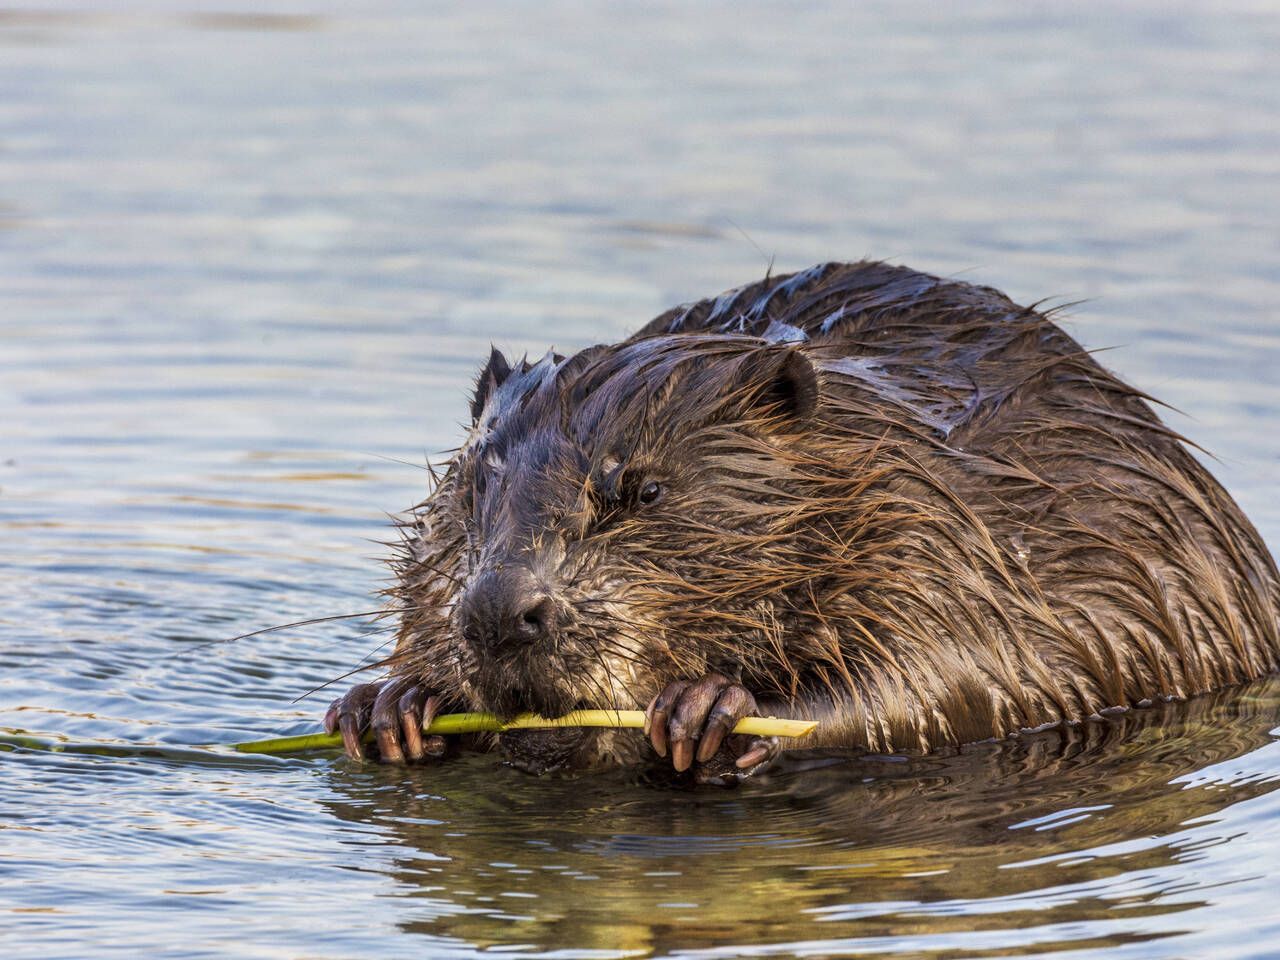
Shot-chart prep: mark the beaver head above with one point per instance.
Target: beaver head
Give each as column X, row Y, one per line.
column 601, row 505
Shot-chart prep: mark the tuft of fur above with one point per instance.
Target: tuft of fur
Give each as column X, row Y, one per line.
column 903, row 505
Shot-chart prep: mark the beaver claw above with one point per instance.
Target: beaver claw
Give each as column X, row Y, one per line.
column 397, row 711
column 702, row 715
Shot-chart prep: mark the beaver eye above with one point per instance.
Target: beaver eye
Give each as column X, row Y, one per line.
column 650, row 493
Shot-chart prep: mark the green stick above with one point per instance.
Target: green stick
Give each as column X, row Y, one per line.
column 487, row 722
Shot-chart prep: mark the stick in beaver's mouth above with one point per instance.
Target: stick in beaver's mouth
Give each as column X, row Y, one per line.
column 487, row 722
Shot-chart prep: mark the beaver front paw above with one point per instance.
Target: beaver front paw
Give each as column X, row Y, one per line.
column 703, row 714
column 397, row 710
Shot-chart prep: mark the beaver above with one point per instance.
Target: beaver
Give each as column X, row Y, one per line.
column 901, row 505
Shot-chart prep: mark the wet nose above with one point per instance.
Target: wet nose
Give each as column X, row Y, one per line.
column 536, row 620
column 507, row 606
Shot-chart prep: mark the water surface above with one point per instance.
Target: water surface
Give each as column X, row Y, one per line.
column 249, row 262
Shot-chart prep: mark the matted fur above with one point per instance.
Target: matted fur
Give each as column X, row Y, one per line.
column 970, row 528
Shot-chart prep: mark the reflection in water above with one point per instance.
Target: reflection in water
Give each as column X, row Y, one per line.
column 1068, row 838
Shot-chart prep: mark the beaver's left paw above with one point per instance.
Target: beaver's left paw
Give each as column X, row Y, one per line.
column 695, row 720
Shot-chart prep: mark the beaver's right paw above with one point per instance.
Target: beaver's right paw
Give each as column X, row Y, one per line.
column 702, row 715
column 397, row 710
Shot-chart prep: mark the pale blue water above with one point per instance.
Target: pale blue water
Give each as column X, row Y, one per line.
column 249, row 261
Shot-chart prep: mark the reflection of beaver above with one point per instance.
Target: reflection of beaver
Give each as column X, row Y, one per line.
column 901, row 505
column 1159, row 788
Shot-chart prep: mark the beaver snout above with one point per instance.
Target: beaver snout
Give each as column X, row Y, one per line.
column 508, row 607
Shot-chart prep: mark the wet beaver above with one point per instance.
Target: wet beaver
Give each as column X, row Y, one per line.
column 901, row 505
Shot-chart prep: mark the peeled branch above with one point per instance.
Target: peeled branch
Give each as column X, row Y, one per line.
column 486, row 722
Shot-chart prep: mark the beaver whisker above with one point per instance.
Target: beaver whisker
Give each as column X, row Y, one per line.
column 436, row 571
column 627, row 656
column 606, row 698
column 384, row 612
column 390, row 661
column 623, row 655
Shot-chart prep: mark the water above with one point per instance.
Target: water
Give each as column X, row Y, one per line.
column 249, row 263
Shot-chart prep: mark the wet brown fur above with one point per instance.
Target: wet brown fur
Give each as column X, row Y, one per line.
column 972, row 528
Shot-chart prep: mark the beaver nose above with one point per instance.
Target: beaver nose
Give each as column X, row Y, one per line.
column 535, row 621
column 508, row 606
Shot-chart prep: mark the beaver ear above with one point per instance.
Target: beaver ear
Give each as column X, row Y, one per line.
column 787, row 386
column 493, row 375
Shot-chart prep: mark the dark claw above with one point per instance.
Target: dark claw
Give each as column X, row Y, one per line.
column 385, row 719
column 734, row 704
column 350, row 728
column 353, row 712
column 434, row 745
column 710, row 743
column 410, row 710
column 682, row 755
column 658, row 713
column 696, row 720
column 397, row 710
column 690, row 714
column 759, row 752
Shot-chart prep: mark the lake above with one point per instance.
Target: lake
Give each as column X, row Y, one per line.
column 251, row 258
